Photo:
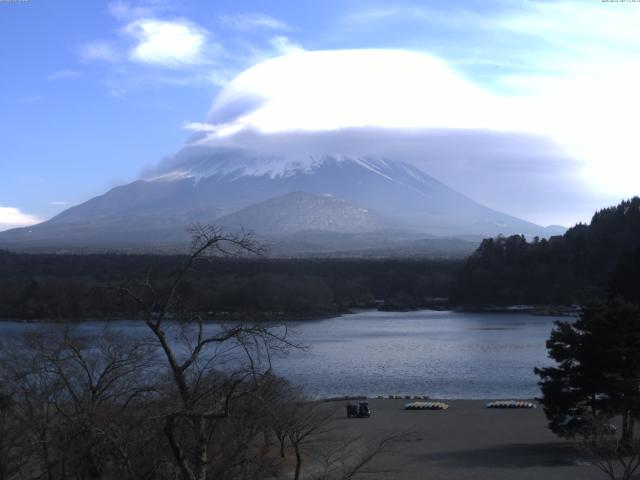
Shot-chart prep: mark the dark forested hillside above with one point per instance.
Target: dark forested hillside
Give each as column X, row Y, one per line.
column 562, row 270
column 76, row 286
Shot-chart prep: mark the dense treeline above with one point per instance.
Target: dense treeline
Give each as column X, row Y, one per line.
column 35, row 286
column 565, row 269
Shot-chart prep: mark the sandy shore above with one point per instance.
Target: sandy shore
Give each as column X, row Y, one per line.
column 467, row 441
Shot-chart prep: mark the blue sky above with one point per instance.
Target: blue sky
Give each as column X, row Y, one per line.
column 93, row 93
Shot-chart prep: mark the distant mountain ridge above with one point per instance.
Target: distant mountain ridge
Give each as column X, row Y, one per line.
column 334, row 193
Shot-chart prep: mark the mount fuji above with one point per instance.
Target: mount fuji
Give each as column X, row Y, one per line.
column 351, row 203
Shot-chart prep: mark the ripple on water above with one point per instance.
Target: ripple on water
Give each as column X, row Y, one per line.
column 442, row 354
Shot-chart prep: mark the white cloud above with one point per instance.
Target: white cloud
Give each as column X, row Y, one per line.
column 590, row 119
column 99, row 50
column 190, row 54
column 61, row 74
column 250, row 21
column 167, row 43
column 327, row 90
column 582, row 82
column 199, row 127
column 219, row 130
column 11, row 217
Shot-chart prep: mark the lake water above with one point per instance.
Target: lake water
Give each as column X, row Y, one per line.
column 440, row 354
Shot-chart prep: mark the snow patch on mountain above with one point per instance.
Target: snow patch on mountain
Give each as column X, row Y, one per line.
column 234, row 167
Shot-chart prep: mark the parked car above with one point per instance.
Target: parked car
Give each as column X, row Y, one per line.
column 361, row 410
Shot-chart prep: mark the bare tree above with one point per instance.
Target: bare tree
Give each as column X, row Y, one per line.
column 618, row 458
column 279, row 401
column 34, row 413
column 75, row 398
column 10, row 448
column 346, row 458
column 314, row 432
column 205, row 393
column 101, row 378
column 309, row 424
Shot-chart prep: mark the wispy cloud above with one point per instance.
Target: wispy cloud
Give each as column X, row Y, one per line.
column 251, row 21
column 125, row 11
column 573, row 37
column 385, row 13
column 283, row 45
column 29, row 99
column 99, row 50
column 522, row 36
column 11, row 217
column 63, row 74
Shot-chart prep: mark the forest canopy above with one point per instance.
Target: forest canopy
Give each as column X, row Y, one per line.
column 57, row 287
column 565, row 269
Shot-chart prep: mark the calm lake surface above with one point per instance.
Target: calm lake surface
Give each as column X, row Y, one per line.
column 440, row 354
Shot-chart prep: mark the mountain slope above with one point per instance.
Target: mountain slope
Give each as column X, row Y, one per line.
column 301, row 212
column 206, row 186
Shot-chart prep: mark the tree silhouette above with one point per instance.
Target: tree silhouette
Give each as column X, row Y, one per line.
column 597, row 380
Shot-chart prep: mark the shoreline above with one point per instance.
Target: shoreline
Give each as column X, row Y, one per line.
column 413, row 398
column 261, row 318
column 266, row 317
column 541, row 310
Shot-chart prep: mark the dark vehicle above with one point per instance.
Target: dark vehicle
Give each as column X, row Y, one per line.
column 358, row 411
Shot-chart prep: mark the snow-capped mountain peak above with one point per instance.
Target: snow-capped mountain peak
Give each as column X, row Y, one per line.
column 338, row 193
